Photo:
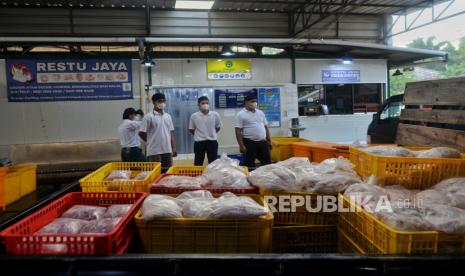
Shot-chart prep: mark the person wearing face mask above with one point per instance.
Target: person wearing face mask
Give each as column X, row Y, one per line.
column 204, row 125
column 252, row 133
column 130, row 143
column 158, row 131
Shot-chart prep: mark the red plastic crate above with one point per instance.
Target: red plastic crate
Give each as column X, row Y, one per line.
column 20, row 238
column 165, row 190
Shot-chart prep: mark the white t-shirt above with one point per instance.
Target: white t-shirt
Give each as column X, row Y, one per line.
column 252, row 124
column 158, row 128
column 128, row 133
column 205, row 126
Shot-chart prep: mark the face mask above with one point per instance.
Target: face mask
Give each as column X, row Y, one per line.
column 161, row 106
column 137, row 118
column 205, row 107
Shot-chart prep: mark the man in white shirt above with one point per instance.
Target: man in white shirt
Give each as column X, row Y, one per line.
column 158, row 131
column 204, row 125
column 129, row 140
column 252, row 133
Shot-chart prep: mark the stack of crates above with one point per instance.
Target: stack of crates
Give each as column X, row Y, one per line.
column 362, row 232
column 16, row 181
column 318, row 151
column 198, row 235
column 282, row 147
column 303, row 231
column 96, row 181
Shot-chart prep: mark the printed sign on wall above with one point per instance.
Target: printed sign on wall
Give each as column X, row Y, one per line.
column 229, row 69
column 269, row 102
column 231, row 98
column 68, row 80
column 340, row 76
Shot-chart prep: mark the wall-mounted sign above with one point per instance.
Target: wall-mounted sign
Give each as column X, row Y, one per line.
column 68, row 80
column 229, row 69
column 340, row 76
column 269, row 102
column 231, row 98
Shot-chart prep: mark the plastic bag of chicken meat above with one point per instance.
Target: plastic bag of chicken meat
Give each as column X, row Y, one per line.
column 117, row 210
column 85, row 212
column 160, row 206
column 274, row 177
column 439, row 152
column 63, row 226
column 118, row 175
column 100, row 226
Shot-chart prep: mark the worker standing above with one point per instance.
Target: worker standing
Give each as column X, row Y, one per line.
column 204, row 125
column 252, row 133
column 158, row 131
column 129, row 140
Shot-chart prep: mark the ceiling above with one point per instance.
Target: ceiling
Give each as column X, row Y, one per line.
column 316, row 6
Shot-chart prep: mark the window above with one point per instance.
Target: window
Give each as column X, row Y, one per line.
column 392, row 110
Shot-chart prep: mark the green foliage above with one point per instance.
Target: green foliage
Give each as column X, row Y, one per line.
column 454, row 67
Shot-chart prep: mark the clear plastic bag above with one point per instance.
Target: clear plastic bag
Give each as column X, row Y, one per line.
column 197, row 208
column 117, row 210
column 274, row 177
column 367, row 194
column 296, row 163
column 439, row 152
column 181, row 181
column 332, row 165
column 119, row 175
column 85, row 212
column 237, row 208
column 332, row 184
column 200, row 194
column 63, row 226
column 160, row 206
column 451, row 185
column 226, row 173
column 429, row 197
column 141, row 175
column 100, row 226
column 390, row 151
column 404, row 219
column 447, row 219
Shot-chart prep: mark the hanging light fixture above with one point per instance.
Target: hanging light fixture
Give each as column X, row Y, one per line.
column 227, row 51
column 148, row 62
column 397, row 73
column 346, row 59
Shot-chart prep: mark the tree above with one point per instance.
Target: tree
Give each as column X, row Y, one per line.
column 454, row 67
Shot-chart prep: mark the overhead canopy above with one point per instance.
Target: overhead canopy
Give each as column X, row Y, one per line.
column 396, row 56
column 333, row 6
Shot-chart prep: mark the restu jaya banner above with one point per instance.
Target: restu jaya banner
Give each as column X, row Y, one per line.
column 68, row 80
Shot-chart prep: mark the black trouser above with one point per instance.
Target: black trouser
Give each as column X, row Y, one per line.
column 256, row 150
column 202, row 147
column 133, row 154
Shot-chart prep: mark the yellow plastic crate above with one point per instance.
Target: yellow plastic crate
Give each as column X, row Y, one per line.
column 195, row 170
column 301, row 216
column 410, row 172
column 305, row 239
column 2, row 188
column 194, row 235
column 282, row 148
column 373, row 236
column 28, row 177
column 346, row 245
column 12, row 187
column 95, row 182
